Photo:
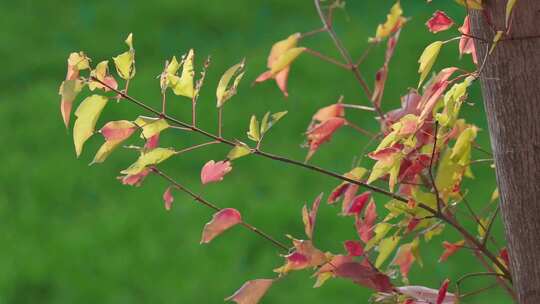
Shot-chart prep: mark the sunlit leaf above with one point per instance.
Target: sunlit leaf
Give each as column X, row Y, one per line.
column 471, row 4
column 114, row 132
column 466, row 43
column 426, row 294
column 125, row 62
column 509, row 8
column 184, row 85
column 394, row 21
column 87, row 115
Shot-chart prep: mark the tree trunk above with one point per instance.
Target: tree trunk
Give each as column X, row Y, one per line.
column 511, row 88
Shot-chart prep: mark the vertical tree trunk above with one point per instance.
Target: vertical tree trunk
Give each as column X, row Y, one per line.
column 511, row 89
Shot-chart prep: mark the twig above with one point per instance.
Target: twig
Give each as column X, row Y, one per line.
column 210, row 205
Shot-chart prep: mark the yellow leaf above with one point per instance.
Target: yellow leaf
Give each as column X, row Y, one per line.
column 393, row 22
column 357, row 173
column 494, row 195
column 105, row 150
column 238, row 151
column 151, row 126
column 184, row 85
column 471, row 4
column 69, row 89
column 322, row 278
column 225, row 91
column 129, row 41
column 509, row 7
column 254, row 133
column 125, row 64
column 87, row 115
column 99, row 72
column 380, row 232
column 79, row 60
column 462, row 148
column 427, row 60
column 152, row 157
column 286, row 59
column 386, row 247
column 482, row 226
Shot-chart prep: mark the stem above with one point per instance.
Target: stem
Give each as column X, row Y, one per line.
column 314, row 168
column 208, row 204
column 358, row 107
column 220, row 121
column 327, row 59
column 431, row 177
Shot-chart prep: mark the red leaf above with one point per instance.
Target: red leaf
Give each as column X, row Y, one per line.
column 338, row 192
column 309, row 216
column 450, row 249
column 413, row 222
column 348, row 198
column 434, row 91
column 364, row 227
column 213, row 172
column 221, row 221
column 364, row 275
column 135, row 179
column 439, row 22
column 322, row 133
column 251, row 292
column 404, row 259
column 304, row 256
column 466, row 43
column 503, row 254
column 354, row 248
column 168, row 199
column 359, row 202
column 442, row 292
column 152, row 142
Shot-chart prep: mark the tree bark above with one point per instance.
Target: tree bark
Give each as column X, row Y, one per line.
column 511, row 88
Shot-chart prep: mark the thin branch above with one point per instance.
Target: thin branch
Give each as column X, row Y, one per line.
column 210, row 205
column 327, row 59
column 431, row 177
column 490, row 225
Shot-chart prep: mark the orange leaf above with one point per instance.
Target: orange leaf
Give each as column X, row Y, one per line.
column 322, row 133
column 251, row 292
column 364, row 226
column 221, row 221
column 450, row 249
column 214, row 171
column 329, row 112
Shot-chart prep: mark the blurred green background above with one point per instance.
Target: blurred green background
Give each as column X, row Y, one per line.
column 71, row 233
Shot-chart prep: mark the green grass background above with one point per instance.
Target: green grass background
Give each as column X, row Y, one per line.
column 70, row 233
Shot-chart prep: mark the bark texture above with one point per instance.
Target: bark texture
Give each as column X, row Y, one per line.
column 511, row 89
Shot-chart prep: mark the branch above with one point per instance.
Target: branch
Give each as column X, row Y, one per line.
column 208, row 204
